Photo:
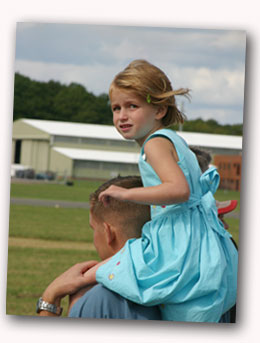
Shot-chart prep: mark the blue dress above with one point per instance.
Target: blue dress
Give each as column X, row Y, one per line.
column 185, row 260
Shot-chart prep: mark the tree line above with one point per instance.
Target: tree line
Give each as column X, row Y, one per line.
column 74, row 103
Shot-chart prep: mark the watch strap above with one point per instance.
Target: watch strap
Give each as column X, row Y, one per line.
column 43, row 305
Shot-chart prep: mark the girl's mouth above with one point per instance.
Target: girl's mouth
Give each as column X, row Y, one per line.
column 125, row 127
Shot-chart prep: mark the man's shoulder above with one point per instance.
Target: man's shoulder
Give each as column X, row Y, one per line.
column 100, row 302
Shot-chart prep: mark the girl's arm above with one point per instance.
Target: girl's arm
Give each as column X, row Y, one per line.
column 161, row 155
column 90, row 274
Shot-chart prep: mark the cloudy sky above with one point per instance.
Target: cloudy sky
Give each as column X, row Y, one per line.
column 209, row 62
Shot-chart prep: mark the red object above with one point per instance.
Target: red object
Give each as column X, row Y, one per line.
column 226, row 206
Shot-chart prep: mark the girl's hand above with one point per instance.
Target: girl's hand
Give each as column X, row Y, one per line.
column 113, row 191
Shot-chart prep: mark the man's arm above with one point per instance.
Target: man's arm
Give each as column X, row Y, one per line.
column 70, row 282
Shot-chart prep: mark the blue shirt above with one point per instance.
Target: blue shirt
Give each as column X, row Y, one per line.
column 100, row 302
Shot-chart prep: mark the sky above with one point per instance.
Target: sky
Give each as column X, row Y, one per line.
column 209, row 62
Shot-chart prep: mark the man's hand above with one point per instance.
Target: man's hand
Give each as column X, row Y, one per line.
column 70, row 282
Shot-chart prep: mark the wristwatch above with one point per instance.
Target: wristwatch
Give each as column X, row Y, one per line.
column 45, row 306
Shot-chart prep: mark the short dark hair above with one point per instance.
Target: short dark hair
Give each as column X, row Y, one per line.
column 129, row 215
column 203, row 157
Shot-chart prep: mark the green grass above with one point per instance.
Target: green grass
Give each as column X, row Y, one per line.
column 30, row 271
column 79, row 192
column 223, row 195
column 59, row 224
column 233, row 228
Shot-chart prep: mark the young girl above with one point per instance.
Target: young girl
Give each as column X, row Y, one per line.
column 185, row 260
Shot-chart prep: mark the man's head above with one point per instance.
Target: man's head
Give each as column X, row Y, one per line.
column 203, row 158
column 114, row 224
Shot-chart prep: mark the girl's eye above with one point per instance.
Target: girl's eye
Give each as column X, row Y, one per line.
column 116, row 108
column 133, row 106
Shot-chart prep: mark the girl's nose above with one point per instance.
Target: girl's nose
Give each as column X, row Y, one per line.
column 123, row 114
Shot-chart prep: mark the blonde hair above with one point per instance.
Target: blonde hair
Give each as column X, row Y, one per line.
column 150, row 83
column 127, row 215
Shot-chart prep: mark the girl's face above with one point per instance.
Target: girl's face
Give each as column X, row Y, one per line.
column 133, row 117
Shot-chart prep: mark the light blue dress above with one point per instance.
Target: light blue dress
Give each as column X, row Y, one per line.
column 185, row 260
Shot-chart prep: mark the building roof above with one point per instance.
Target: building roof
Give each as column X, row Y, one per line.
column 99, row 155
column 212, row 140
column 60, row 128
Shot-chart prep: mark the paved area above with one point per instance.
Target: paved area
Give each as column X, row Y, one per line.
column 49, row 203
column 48, row 244
column 74, row 204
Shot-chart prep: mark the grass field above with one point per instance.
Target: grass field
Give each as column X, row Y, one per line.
column 46, row 241
column 30, row 270
column 58, row 224
column 80, row 191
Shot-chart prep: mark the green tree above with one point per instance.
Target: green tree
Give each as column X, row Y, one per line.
column 54, row 101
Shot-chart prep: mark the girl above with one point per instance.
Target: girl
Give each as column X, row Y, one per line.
column 185, row 260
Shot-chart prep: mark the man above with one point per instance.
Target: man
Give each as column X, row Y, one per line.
column 113, row 226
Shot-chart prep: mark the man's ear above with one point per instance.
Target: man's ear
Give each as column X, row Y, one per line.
column 109, row 233
column 161, row 112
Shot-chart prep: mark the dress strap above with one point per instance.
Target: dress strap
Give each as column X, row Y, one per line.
column 165, row 133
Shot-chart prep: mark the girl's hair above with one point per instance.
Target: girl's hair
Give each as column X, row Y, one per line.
column 151, row 84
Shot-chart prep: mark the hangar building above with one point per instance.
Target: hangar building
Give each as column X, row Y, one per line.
column 92, row 151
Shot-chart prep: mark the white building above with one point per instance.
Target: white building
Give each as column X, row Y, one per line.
column 90, row 150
